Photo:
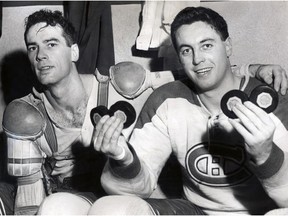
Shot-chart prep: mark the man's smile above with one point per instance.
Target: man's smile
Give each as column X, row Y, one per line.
column 44, row 68
column 203, row 71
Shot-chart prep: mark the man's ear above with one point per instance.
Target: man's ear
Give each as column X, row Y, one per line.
column 228, row 45
column 74, row 52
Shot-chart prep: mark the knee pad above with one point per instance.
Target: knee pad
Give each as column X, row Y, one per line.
column 23, row 123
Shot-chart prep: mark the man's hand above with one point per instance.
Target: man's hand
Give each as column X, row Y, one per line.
column 257, row 129
column 271, row 72
column 109, row 140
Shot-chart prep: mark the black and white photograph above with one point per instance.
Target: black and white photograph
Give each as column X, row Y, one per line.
column 149, row 107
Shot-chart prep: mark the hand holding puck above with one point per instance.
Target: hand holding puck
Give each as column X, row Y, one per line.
column 121, row 109
column 263, row 96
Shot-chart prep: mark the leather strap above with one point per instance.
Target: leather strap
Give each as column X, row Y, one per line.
column 102, row 97
column 24, row 180
column 103, row 88
column 49, row 132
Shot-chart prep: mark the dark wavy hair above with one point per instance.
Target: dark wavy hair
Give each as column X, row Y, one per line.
column 51, row 18
column 190, row 15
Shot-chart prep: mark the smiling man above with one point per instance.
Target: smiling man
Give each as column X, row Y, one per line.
column 228, row 165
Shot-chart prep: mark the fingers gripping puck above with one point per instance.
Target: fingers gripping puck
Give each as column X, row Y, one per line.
column 229, row 99
column 263, row 96
column 96, row 114
column 125, row 111
column 121, row 109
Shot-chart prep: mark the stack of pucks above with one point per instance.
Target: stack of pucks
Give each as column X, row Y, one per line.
column 229, row 99
column 121, row 109
column 265, row 97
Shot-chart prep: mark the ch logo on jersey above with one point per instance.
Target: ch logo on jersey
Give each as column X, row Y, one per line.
column 222, row 165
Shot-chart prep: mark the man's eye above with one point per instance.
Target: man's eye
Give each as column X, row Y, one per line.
column 31, row 48
column 52, row 45
column 186, row 51
column 207, row 46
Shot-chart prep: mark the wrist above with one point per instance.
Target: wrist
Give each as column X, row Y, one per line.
column 122, row 155
column 271, row 166
column 125, row 168
column 261, row 160
column 125, row 157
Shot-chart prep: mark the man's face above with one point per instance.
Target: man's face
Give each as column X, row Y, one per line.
column 48, row 53
column 203, row 55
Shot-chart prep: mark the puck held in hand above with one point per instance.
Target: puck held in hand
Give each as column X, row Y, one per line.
column 265, row 97
column 96, row 114
column 121, row 108
column 229, row 100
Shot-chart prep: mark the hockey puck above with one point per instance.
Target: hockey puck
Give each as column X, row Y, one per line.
column 96, row 114
column 265, row 97
column 124, row 111
column 229, row 100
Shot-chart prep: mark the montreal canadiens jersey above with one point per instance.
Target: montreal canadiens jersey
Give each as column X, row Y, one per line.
column 216, row 170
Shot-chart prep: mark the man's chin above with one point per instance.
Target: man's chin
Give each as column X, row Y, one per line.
column 202, row 88
column 45, row 82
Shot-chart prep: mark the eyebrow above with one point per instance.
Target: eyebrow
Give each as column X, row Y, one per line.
column 45, row 41
column 207, row 40
column 51, row 39
column 201, row 42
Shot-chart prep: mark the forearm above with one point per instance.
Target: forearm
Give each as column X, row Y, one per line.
column 273, row 175
column 139, row 177
column 150, row 147
column 127, row 170
column 268, row 73
column 253, row 70
column 247, row 69
column 130, row 179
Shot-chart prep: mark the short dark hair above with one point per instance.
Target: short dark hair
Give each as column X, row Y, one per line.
column 52, row 18
column 190, row 15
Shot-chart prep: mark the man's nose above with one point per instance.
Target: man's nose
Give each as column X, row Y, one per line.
column 198, row 57
column 41, row 54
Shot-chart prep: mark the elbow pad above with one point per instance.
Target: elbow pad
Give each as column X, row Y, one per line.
column 23, row 124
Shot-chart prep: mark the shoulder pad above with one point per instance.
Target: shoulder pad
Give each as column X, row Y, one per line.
column 23, row 120
column 127, row 78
